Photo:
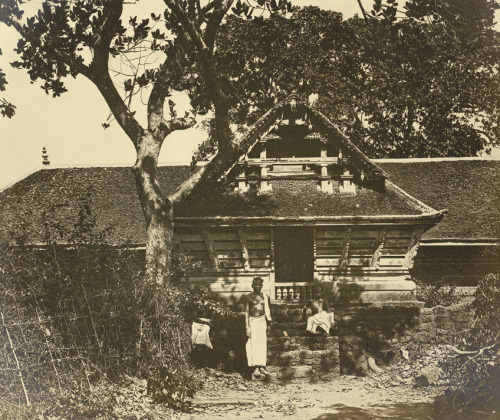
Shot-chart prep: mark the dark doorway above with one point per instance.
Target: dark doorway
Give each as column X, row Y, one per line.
column 293, row 254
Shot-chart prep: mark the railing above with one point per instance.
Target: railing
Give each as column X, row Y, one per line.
column 293, row 161
column 296, row 291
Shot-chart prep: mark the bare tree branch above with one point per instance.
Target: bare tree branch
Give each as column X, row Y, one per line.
column 220, row 9
column 365, row 14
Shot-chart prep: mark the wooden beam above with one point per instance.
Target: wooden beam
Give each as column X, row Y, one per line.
column 244, row 249
column 272, row 249
column 314, row 248
column 345, row 249
column 210, row 248
column 291, row 161
column 378, row 249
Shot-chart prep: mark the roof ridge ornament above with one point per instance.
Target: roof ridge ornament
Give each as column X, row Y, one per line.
column 45, row 157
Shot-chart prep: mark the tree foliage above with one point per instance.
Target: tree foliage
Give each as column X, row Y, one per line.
column 423, row 85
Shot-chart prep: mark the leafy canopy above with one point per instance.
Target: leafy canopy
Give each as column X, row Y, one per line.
column 425, row 85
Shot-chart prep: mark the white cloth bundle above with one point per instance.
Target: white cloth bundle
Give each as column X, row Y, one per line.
column 323, row 320
column 200, row 334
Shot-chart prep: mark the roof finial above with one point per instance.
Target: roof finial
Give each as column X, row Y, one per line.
column 45, row 156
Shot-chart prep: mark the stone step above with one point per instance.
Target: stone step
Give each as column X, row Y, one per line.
column 304, row 357
column 302, row 342
column 312, row 374
column 292, row 330
column 288, row 318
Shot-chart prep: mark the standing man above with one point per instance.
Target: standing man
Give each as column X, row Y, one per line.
column 257, row 321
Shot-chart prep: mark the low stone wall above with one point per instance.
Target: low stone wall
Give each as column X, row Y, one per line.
column 361, row 332
column 382, row 332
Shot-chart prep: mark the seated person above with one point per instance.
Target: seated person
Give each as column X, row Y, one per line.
column 321, row 317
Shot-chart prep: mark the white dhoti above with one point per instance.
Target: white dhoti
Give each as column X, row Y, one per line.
column 200, row 335
column 256, row 346
column 323, row 320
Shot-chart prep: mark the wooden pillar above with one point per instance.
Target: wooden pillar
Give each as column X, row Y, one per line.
column 325, row 181
column 314, row 249
column 263, row 151
column 272, row 274
column 242, row 180
column 265, row 185
column 346, row 184
column 244, row 249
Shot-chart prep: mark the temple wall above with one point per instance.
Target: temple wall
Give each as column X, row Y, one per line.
column 358, row 264
column 456, row 265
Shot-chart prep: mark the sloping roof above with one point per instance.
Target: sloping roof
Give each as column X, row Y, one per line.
column 296, row 198
column 114, row 195
column 468, row 188
column 58, row 192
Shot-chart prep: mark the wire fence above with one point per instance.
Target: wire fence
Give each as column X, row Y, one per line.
column 82, row 340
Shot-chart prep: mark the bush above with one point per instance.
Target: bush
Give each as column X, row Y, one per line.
column 437, row 294
column 475, row 366
column 77, row 313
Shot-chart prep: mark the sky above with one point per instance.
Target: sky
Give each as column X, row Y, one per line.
column 70, row 127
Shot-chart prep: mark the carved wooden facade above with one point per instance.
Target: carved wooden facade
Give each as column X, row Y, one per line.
column 352, row 259
column 333, row 217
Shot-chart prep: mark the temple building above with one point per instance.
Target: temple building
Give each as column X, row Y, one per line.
column 303, row 208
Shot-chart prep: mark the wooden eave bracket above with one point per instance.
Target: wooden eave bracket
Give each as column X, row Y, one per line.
column 412, row 249
column 244, row 249
column 345, row 249
column 375, row 261
column 210, row 248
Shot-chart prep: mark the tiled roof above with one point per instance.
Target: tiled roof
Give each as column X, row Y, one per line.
column 469, row 189
column 115, row 201
column 296, row 198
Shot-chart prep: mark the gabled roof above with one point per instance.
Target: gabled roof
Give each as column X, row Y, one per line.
column 265, row 125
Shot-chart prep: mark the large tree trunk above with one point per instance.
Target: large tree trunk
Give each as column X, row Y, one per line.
column 157, row 210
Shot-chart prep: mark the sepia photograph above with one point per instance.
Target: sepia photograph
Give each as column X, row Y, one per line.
column 250, row 209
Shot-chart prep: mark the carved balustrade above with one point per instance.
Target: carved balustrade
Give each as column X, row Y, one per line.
column 296, row 291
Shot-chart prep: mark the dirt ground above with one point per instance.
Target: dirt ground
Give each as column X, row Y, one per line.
column 392, row 393
column 303, row 401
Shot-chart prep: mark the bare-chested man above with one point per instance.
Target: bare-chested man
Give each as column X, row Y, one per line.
column 257, row 319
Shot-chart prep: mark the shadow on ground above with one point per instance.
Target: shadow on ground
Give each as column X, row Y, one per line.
column 411, row 411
